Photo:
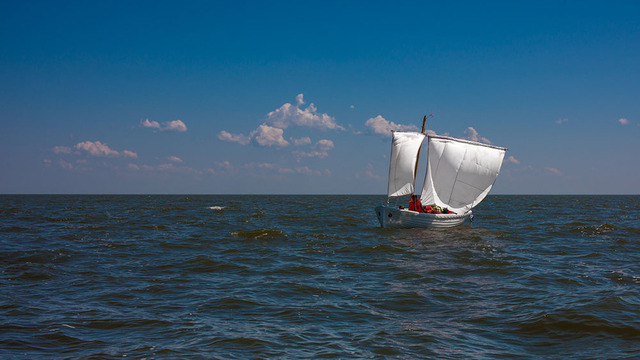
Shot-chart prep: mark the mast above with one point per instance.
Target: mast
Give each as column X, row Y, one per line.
column 415, row 173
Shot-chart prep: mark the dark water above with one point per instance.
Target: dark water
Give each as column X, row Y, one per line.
column 242, row 277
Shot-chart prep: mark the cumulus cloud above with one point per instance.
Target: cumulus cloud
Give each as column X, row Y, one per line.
column 175, row 125
column 472, row 134
column 320, row 150
column 381, row 126
column 97, row 148
column 304, row 170
column 302, row 141
column 271, row 132
column 512, row 160
column 65, row 165
column 130, row 154
column 311, row 154
column 288, row 114
column 623, row 121
column 237, row 138
column 270, row 136
column 264, row 135
column 150, row 124
column 174, row 159
column 324, row 144
column 61, row 150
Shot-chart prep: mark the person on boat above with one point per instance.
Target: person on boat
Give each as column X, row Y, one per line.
column 414, row 203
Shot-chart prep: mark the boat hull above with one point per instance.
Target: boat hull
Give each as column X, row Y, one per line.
column 393, row 217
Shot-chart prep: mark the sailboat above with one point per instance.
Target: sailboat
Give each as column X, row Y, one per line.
column 459, row 174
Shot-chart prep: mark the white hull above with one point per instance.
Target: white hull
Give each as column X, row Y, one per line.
column 393, row 217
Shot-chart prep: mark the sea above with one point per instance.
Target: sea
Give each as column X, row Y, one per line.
column 315, row 277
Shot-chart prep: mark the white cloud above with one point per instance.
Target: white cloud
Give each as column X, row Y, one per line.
column 264, row 135
column 237, row 138
column 150, row 124
column 65, row 165
column 554, row 171
column 288, row 114
column 311, row 154
column 304, row 170
column 268, row 166
column 174, row 159
column 512, row 160
column 270, row 136
column 472, row 134
column 96, row 148
column 130, row 154
column 324, row 145
column 61, row 150
column 302, row 141
column 175, row 125
column 380, row 125
column 271, row 133
column 560, row 121
column 623, row 121
column 320, row 151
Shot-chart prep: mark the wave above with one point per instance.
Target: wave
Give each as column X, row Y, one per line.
column 262, row 234
column 574, row 324
column 596, row 230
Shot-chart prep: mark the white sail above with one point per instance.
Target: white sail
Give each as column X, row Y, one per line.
column 460, row 173
column 402, row 168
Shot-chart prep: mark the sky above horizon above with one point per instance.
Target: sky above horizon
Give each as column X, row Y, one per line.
column 248, row 97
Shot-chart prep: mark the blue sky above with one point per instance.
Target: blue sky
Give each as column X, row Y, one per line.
column 300, row 97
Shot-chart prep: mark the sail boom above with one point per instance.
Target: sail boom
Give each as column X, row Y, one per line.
column 467, row 142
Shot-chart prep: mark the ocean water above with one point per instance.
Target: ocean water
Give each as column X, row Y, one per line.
column 294, row 277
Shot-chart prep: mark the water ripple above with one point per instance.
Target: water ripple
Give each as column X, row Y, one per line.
column 237, row 277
